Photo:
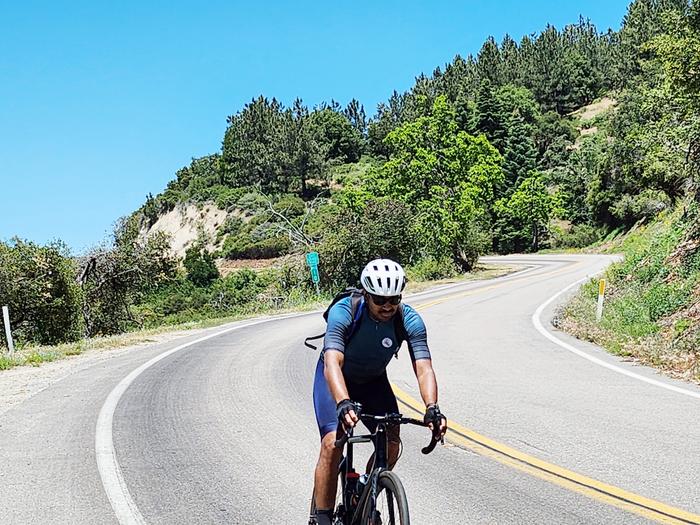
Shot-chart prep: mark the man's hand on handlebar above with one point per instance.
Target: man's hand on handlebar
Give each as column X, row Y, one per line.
column 435, row 420
column 347, row 412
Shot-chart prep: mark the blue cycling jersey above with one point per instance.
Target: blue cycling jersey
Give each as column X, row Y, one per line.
column 373, row 343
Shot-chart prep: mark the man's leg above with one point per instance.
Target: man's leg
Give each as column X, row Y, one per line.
column 326, row 475
column 394, row 445
column 393, row 448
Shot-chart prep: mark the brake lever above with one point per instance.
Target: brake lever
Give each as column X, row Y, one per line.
column 340, row 441
column 436, row 437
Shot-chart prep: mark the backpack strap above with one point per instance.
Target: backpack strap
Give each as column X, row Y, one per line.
column 313, row 338
column 357, row 304
column 400, row 330
column 356, row 307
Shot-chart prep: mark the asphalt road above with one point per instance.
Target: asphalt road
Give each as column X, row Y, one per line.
column 222, row 430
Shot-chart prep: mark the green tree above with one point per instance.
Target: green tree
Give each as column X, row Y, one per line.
column 644, row 20
column 448, row 177
column 518, row 116
column 389, row 116
column 307, row 151
column 115, row 278
column 38, row 285
column 490, row 119
column 253, row 150
column 679, row 53
column 528, row 209
column 489, row 62
column 200, row 266
column 355, row 113
column 554, row 137
column 374, row 228
column 275, row 149
column 343, row 141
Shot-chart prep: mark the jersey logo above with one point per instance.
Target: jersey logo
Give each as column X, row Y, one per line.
column 386, row 342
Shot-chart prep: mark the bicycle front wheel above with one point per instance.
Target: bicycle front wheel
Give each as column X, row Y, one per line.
column 392, row 504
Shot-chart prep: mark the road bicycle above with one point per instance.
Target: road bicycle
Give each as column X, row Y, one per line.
column 377, row 498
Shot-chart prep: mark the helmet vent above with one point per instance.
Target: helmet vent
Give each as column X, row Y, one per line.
column 383, row 277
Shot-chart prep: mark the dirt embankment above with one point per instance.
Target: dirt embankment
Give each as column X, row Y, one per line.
column 588, row 113
column 187, row 223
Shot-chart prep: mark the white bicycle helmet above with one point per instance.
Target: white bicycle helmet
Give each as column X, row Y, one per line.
column 383, row 277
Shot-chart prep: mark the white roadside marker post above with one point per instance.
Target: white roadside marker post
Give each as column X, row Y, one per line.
column 601, row 299
column 8, row 331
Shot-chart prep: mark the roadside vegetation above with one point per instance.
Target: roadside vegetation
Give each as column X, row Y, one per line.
column 652, row 299
column 554, row 142
column 32, row 354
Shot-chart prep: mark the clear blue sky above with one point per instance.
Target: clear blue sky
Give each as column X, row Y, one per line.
column 101, row 102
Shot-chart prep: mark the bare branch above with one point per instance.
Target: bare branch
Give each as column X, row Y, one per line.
column 285, row 226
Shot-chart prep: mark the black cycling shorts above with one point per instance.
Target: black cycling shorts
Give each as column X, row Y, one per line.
column 375, row 396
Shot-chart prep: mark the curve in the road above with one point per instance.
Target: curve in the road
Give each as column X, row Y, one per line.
column 127, row 512
column 537, row 321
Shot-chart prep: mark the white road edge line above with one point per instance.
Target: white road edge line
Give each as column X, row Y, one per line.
column 536, row 320
column 123, row 504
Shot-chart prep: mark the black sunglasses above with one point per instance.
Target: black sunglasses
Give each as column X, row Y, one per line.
column 381, row 301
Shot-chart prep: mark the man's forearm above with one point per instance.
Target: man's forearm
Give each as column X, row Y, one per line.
column 336, row 383
column 428, row 385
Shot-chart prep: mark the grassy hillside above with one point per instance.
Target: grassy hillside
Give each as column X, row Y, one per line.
column 652, row 303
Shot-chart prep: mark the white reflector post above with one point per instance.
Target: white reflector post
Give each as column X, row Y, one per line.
column 601, row 298
column 8, row 331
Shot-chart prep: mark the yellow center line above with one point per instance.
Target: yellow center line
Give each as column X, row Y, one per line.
column 450, row 297
column 484, row 446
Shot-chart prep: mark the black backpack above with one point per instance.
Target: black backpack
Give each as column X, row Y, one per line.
column 356, row 307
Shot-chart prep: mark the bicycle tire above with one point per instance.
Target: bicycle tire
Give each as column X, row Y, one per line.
column 392, row 503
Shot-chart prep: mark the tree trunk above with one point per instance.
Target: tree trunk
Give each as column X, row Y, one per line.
column 535, row 237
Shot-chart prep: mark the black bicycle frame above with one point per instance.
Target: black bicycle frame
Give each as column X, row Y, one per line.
column 352, row 509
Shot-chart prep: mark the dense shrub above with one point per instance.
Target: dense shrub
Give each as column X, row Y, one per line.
column 231, row 226
column 38, row 284
column 200, row 266
column 243, row 247
column 577, row 236
column 290, row 206
column 383, row 229
column 228, row 198
column 429, row 268
column 178, row 296
column 631, row 208
column 242, row 291
column 252, row 202
column 237, row 288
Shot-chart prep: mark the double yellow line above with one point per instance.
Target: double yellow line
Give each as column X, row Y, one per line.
column 463, row 437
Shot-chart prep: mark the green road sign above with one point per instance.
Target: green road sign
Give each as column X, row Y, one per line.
column 312, row 258
column 314, row 274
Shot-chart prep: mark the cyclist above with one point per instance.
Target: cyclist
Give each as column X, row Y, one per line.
column 353, row 370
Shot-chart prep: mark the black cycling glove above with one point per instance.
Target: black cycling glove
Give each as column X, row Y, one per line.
column 344, row 407
column 434, row 416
